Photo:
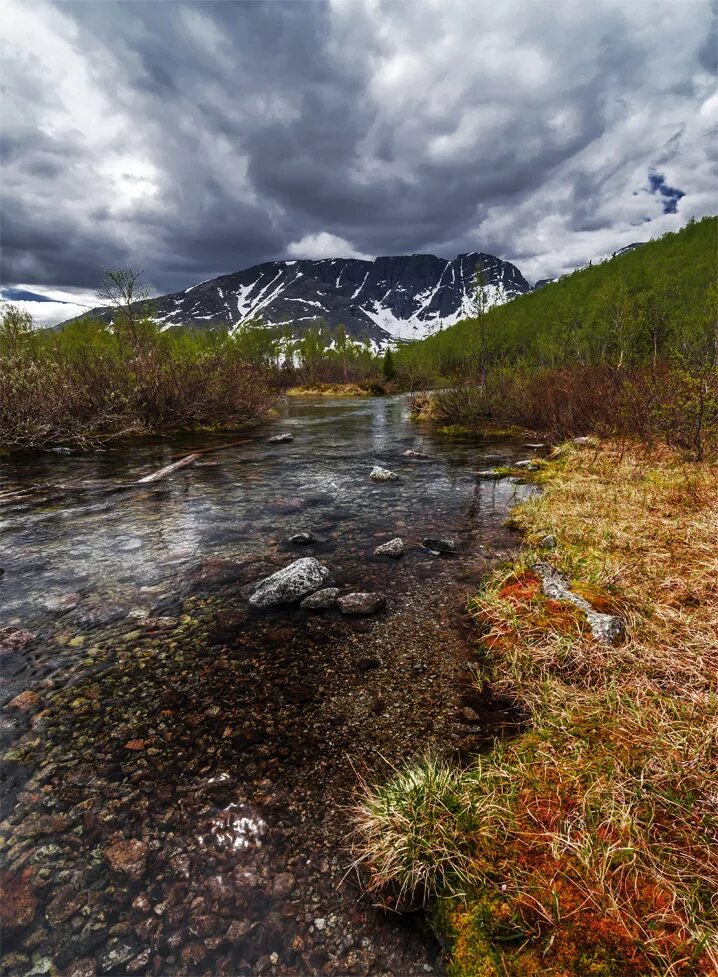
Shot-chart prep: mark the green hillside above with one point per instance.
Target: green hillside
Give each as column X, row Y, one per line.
column 657, row 302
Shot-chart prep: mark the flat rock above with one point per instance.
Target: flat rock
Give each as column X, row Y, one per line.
column 360, row 604
column 19, row 902
column 379, row 474
column 281, row 438
column 128, row 857
column 607, row 629
column 27, row 701
column 490, row 475
column 394, row 548
column 290, row 584
column 526, row 463
column 321, row 599
column 13, row 639
column 439, row 545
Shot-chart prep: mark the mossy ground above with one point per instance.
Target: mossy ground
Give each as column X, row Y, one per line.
column 597, row 855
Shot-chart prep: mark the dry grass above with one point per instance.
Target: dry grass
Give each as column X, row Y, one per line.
column 603, row 819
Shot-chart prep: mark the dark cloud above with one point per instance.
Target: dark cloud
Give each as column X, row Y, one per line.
column 193, row 139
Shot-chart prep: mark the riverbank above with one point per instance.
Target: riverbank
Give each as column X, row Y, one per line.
column 586, row 845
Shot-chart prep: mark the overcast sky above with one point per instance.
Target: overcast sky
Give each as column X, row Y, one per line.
column 195, row 139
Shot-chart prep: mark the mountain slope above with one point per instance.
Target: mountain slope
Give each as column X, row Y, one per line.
column 402, row 297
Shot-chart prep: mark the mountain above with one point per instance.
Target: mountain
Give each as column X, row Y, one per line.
column 403, row 297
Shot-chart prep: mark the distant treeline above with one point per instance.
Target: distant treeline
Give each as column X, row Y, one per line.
column 627, row 347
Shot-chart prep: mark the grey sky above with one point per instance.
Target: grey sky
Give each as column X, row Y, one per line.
column 195, row 139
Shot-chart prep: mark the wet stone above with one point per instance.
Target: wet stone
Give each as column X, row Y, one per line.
column 118, row 952
column 27, row 701
column 321, row 599
column 86, row 967
column 128, row 858
column 439, row 545
column 290, row 584
column 394, row 548
column 379, row 474
column 281, row 438
column 19, row 901
column 14, row 639
column 361, row 604
column 302, row 539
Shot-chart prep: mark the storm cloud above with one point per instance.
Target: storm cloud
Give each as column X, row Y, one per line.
column 195, row 139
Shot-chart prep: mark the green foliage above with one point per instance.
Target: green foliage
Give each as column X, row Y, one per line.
column 655, row 303
column 90, row 382
column 388, row 369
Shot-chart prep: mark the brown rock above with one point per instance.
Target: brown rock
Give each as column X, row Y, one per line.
column 193, row 953
column 128, row 857
column 135, row 745
column 26, row 701
column 13, row 639
column 81, row 968
column 63, row 904
column 19, row 902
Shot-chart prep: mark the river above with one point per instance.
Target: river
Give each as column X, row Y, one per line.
column 177, row 770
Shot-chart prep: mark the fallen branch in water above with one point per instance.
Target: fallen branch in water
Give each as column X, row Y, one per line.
column 168, row 469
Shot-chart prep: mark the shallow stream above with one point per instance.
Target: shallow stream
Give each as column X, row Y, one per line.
column 176, row 769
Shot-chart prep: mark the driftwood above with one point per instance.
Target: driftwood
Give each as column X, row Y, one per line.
column 168, row 469
column 155, row 476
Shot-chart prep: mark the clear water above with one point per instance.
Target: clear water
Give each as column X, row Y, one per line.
column 166, row 714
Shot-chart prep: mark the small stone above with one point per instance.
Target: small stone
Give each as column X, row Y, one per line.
column 135, row 745
column 394, row 548
column 14, row 639
column 368, row 664
column 26, row 701
column 320, row 923
column 528, row 464
column 439, row 545
column 379, row 474
column 86, row 967
column 128, row 857
column 490, row 475
column 320, row 600
column 140, row 962
column 302, row 539
column 117, row 953
column 281, row 438
column 548, row 542
column 238, row 930
column 283, row 885
column 583, row 440
column 410, row 453
column 19, row 902
column 470, row 715
column 360, row 604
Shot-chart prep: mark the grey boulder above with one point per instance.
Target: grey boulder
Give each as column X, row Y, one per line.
column 321, row 599
column 290, row 584
column 395, row 548
column 379, row 474
column 361, row 604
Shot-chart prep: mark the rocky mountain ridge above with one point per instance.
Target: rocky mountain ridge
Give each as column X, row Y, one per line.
column 402, row 297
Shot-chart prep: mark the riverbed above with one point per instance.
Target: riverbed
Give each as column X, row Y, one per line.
column 177, row 768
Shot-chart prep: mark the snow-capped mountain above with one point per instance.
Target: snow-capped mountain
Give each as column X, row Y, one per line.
column 403, row 297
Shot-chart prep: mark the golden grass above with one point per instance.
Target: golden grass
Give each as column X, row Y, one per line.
column 329, row 390
column 602, row 820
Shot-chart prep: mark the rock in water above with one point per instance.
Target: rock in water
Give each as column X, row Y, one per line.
column 489, row 476
column 321, row 599
column 378, row 474
column 281, row 438
column 439, row 545
column 128, row 857
column 395, row 548
column 361, row 604
column 302, row 539
column 410, row 453
column 290, row 584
